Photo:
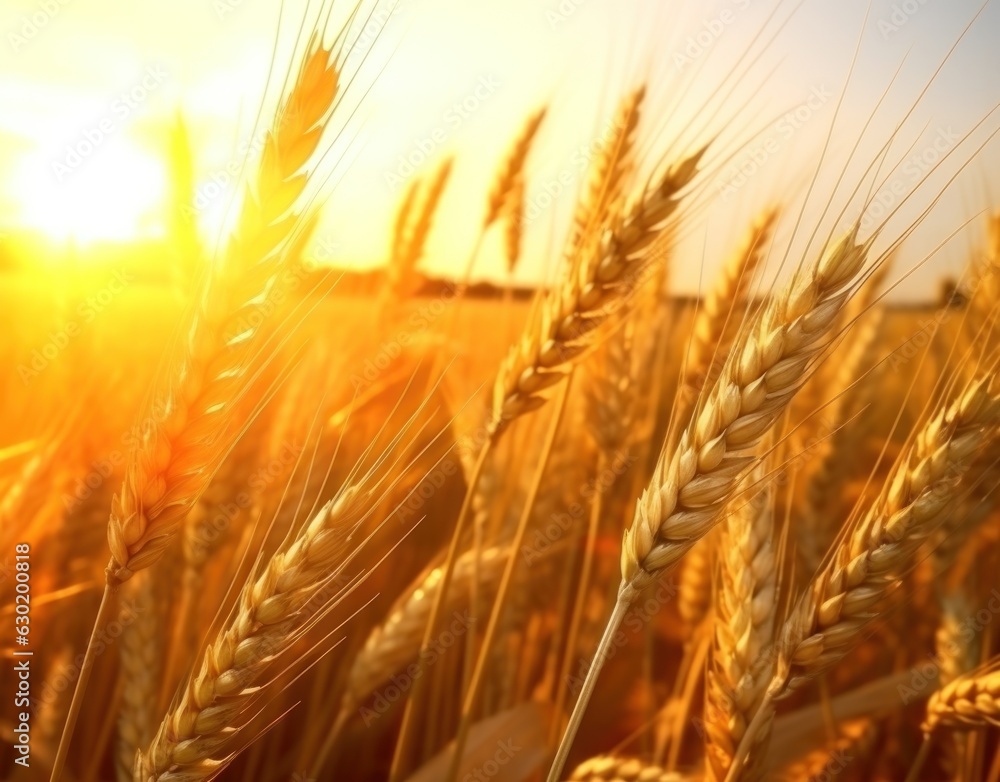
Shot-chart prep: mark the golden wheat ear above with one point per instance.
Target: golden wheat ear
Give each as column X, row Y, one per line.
column 179, row 447
column 692, row 484
column 853, row 588
column 511, row 171
column 189, row 428
column 744, row 629
column 607, row 768
column 410, row 237
column 552, row 345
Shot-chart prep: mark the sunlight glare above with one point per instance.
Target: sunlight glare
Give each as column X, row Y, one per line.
column 104, row 198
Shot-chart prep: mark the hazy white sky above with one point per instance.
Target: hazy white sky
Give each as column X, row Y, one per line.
column 459, row 77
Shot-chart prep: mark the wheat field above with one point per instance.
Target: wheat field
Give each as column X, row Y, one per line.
column 264, row 517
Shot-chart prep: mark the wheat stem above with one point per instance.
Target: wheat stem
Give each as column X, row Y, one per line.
column 108, row 601
column 626, row 594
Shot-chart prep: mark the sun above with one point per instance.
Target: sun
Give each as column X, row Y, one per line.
column 104, row 195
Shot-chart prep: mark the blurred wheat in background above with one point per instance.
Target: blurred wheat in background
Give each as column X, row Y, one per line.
column 422, row 391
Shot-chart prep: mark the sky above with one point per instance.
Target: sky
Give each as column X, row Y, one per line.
column 783, row 89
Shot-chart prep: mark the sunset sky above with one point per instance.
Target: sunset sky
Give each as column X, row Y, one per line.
column 458, row 77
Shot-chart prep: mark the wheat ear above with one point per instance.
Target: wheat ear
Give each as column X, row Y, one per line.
column 177, row 452
column 848, row 592
column 295, row 587
column 744, row 627
column 694, row 588
column 722, row 311
column 141, row 656
column 177, row 448
column 610, row 167
column 610, row 390
column 605, row 768
column 411, row 239
column 511, row 170
column 986, row 292
column 823, row 501
column 852, row 589
column 396, row 642
column 956, row 655
column 691, row 486
column 570, row 314
column 969, row 702
column 514, row 224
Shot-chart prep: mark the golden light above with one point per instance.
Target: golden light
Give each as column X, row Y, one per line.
column 104, row 194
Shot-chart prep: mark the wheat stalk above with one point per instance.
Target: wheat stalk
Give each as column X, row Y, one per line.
column 553, row 343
